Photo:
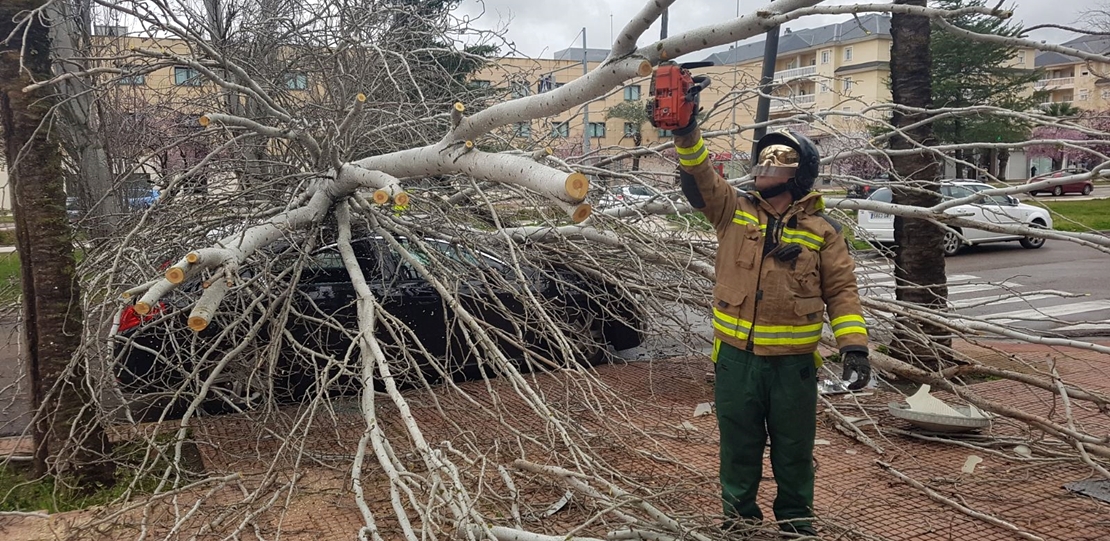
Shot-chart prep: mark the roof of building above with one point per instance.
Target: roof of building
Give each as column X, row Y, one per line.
column 575, row 53
column 1090, row 44
column 869, row 25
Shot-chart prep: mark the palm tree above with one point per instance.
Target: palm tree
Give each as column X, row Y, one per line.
column 919, row 260
column 1062, row 109
column 635, row 115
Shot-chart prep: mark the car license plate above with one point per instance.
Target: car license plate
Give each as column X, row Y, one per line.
column 880, row 216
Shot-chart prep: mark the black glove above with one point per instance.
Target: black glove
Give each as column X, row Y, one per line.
column 856, row 361
column 787, row 252
column 693, row 125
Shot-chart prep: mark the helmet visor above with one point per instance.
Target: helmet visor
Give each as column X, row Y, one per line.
column 776, row 161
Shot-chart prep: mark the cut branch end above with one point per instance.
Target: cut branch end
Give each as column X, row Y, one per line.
column 142, row 308
column 581, row 212
column 175, row 275
column 459, row 106
column 644, row 69
column 192, row 257
column 204, row 121
column 381, row 197
column 361, row 97
column 197, row 323
column 402, row 199
column 577, row 185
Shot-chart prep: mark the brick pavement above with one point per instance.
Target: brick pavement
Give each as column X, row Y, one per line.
column 678, row 463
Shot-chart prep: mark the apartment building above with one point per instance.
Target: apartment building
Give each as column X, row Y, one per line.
column 1084, row 84
column 839, row 67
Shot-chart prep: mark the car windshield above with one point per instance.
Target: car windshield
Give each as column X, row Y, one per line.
column 882, row 195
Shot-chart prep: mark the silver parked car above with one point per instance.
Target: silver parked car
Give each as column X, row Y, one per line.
column 996, row 209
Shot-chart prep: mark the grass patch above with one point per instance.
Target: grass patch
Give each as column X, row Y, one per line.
column 1078, row 215
column 20, row 492
column 10, row 286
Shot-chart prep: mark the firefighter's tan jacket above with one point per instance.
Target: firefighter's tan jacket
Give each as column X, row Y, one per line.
column 761, row 304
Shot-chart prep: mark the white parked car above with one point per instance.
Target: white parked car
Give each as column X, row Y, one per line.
column 996, row 209
column 627, row 195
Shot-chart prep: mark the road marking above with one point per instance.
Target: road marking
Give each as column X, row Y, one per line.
column 1051, row 311
column 995, row 300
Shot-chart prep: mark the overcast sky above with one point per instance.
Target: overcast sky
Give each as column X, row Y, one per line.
column 538, row 28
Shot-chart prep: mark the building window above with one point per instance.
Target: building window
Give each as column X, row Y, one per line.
column 183, row 76
column 524, row 129
column 480, row 83
column 595, row 129
column 296, row 81
column 846, row 108
column 826, row 56
column 109, row 30
column 1084, row 72
column 562, row 129
column 630, row 129
column 1106, row 94
column 824, row 88
column 847, row 85
column 665, row 133
column 632, row 93
column 847, row 54
column 519, row 89
column 129, row 78
column 1082, row 94
column 1021, row 58
column 545, row 84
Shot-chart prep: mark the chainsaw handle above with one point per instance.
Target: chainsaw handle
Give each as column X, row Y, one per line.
column 701, row 82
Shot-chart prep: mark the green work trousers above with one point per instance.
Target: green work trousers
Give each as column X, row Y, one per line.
column 757, row 397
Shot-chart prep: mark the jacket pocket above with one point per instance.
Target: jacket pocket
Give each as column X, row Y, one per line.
column 807, row 274
column 747, row 246
column 727, row 303
column 809, row 308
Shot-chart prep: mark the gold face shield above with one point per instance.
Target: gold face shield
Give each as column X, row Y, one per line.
column 776, row 161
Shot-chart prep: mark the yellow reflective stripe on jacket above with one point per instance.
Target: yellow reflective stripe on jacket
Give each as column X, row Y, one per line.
column 716, row 349
column 693, row 155
column 743, row 218
column 731, row 326
column 805, row 238
column 787, row 335
column 849, row 324
column 767, row 335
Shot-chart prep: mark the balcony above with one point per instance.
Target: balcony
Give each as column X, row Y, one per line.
column 1058, row 82
column 1046, row 104
column 795, row 73
column 805, row 100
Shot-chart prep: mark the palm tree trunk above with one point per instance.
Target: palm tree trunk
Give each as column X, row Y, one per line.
column 637, row 139
column 66, row 429
column 919, row 262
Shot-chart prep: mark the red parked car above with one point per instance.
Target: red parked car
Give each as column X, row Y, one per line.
column 1084, row 187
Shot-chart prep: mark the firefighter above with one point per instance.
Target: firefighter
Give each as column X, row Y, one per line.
column 781, row 264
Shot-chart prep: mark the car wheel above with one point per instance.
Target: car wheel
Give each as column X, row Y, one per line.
column 1058, row 191
column 1033, row 194
column 952, row 243
column 1032, row 243
column 1087, row 189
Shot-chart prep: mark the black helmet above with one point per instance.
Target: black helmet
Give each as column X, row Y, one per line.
column 803, row 163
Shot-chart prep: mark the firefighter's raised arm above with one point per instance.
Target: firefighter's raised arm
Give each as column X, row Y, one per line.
column 674, row 106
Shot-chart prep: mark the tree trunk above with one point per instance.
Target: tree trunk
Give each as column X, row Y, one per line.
column 66, row 430
column 95, row 180
column 960, row 168
column 919, row 262
column 637, row 139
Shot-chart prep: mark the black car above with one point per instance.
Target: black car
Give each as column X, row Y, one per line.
column 158, row 354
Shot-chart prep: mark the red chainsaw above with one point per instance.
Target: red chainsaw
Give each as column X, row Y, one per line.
column 674, row 94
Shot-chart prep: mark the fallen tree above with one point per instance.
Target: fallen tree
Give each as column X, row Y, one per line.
column 382, row 193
